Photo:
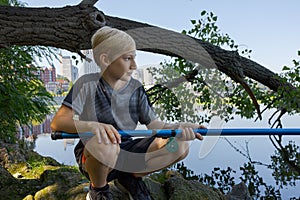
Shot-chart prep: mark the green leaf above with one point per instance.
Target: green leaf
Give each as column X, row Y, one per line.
column 203, row 12
column 285, row 68
column 193, row 21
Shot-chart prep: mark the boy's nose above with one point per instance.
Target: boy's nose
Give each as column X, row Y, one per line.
column 133, row 64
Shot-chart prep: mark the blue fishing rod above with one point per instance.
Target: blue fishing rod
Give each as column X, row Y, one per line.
column 166, row 133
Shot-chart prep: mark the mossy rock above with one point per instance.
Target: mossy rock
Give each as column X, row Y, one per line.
column 180, row 189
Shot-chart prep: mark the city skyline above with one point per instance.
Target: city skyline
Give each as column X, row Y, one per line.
column 56, row 82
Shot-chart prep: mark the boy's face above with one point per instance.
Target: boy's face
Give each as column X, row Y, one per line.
column 123, row 67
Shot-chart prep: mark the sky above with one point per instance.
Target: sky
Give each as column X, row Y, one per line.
column 270, row 28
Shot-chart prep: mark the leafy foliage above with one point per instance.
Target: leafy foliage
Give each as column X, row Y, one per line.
column 290, row 100
column 23, row 97
column 172, row 103
column 256, row 184
column 224, row 179
column 284, row 172
column 211, row 92
column 220, row 178
column 11, row 3
column 186, row 172
column 206, row 29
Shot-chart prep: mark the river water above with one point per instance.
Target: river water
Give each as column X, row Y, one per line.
column 204, row 155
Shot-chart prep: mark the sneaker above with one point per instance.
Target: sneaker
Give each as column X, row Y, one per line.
column 99, row 193
column 135, row 187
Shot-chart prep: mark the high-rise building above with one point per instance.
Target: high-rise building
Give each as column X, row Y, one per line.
column 90, row 66
column 68, row 70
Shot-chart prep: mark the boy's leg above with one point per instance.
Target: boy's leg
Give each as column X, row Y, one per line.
column 126, row 181
column 158, row 156
column 99, row 161
column 96, row 170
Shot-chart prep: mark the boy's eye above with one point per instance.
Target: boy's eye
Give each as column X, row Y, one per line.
column 127, row 58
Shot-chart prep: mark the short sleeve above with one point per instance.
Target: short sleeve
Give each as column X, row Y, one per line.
column 81, row 91
column 146, row 112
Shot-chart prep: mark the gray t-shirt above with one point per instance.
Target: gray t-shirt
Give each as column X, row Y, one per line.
column 92, row 99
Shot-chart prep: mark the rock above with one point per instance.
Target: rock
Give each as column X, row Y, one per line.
column 172, row 173
column 117, row 193
column 58, row 182
column 11, row 153
column 178, row 188
column 4, row 157
column 47, row 193
column 156, row 189
column 6, row 178
column 18, row 175
column 29, row 197
column 239, row 191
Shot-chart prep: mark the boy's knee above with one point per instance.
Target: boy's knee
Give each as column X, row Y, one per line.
column 183, row 150
column 180, row 153
column 106, row 154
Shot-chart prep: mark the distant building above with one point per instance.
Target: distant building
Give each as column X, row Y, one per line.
column 88, row 67
column 143, row 75
column 47, row 74
column 52, row 86
column 68, row 70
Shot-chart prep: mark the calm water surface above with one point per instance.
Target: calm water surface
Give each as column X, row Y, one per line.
column 204, row 156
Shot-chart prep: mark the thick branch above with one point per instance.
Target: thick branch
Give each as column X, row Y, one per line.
column 222, row 59
column 71, row 28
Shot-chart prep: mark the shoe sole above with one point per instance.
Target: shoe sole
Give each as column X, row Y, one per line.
column 88, row 197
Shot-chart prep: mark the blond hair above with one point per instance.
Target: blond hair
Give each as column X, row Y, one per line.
column 111, row 41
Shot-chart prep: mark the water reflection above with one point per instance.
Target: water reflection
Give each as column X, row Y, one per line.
column 222, row 155
column 31, row 132
column 69, row 142
column 60, row 150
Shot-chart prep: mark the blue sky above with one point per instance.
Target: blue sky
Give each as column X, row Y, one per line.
column 269, row 27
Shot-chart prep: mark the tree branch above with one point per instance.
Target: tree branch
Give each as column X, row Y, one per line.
column 86, row 3
column 71, row 28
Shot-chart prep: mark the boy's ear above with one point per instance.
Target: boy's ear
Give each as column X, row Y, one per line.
column 104, row 60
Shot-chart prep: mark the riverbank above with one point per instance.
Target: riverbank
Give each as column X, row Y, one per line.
column 27, row 175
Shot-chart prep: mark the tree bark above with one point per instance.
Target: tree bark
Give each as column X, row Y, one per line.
column 71, row 28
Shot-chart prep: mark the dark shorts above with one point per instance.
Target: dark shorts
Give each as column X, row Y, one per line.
column 139, row 145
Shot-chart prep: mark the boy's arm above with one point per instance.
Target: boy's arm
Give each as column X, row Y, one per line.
column 157, row 124
column 64, row 121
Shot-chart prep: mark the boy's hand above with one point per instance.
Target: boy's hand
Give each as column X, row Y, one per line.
column 105, row 133
column 188, row 132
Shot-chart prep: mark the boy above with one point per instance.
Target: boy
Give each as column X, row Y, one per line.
column 112, row 100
